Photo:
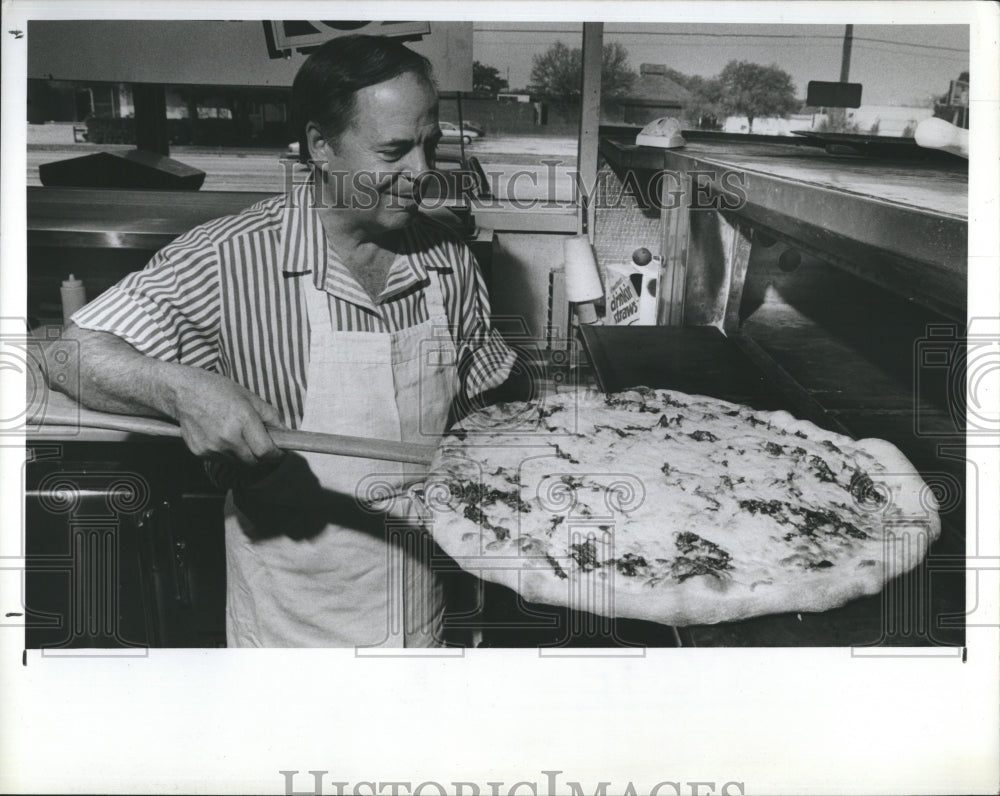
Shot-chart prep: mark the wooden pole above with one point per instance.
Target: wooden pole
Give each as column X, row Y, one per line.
column 845, row 59
column 590, row 118
column 62, row 416
column 150, row 101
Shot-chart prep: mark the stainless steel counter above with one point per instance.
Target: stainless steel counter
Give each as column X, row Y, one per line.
column 901, row 224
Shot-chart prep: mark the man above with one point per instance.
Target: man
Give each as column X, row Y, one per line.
column 336, row 308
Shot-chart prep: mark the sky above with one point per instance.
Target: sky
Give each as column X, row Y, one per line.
column 896, row 64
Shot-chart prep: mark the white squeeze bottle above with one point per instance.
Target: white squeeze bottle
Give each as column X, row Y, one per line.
column 73, row 297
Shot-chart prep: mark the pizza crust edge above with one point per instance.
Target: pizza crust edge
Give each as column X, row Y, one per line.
column 699, row 600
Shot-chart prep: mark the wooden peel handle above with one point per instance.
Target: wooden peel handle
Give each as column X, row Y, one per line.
column 60, row 415
column 342, row 445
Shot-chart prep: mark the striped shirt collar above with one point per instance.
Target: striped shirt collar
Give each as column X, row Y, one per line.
column 305, row 249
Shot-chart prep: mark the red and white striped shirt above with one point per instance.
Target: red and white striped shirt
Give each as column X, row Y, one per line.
column 228, row 296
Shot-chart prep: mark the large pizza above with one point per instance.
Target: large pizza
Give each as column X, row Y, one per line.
column 680, row 509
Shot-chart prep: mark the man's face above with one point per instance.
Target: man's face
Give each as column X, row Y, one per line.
column 372, row 166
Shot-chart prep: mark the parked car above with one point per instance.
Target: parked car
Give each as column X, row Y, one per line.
column 449, row 130
column 473, row 127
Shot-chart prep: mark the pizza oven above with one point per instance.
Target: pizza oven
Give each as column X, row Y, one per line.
column 824, row 277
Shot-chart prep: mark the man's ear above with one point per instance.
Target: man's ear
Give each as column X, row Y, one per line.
column 319, row 151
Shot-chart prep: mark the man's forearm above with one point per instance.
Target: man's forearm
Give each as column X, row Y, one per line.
column 104, row 372
column 217, row 416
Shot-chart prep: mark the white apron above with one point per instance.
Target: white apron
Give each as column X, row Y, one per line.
column 306, row 567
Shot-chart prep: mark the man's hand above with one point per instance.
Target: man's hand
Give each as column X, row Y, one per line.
column 219, row 418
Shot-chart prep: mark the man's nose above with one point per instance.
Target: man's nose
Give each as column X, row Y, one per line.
column 417, row 163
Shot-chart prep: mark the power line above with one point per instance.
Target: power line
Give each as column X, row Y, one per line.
column 731, row 36
column 913, row 44
column 952, row 58
column 825, row 45
column 818, row 45
column 798, row 36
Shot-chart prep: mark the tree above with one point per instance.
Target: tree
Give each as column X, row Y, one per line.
column 616, row 77
column 755, row 91
column 558, row 72
column 705, row 103
column 487, row 78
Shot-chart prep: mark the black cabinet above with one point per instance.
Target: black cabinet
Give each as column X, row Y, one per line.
column 123, row 547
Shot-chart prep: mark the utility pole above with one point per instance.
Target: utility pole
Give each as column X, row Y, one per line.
column 845, row 60
column 838, row 116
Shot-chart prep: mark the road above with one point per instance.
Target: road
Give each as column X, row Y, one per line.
column 514, row 165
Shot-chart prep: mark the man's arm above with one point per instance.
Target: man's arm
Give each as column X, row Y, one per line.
column 486, row 360
column 217, row 416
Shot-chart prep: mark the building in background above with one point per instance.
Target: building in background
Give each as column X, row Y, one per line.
column 72, row 101
column 61, row 111
column 654, row 95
